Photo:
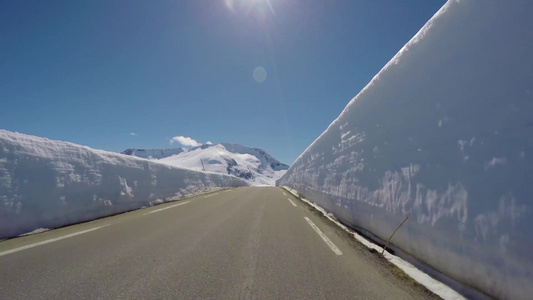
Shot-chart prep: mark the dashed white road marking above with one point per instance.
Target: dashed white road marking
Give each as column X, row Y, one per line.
column 324, row 237
column 210, row 195
column 294, row 204
column 158, row 210
column 49, row 241
column 284, row 194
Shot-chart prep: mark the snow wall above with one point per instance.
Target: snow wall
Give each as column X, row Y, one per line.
column 48, row 184
column 442, row 134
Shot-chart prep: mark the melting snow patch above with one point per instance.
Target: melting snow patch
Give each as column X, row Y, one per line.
column 38, row 230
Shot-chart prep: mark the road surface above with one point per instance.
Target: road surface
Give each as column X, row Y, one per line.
column 244, row 243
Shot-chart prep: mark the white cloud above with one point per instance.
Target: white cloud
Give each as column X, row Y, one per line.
column 133, row 134
column 495, row 161
column 209, row 143
column 185, row 141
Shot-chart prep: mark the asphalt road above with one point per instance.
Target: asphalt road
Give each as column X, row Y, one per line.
column 245, row 243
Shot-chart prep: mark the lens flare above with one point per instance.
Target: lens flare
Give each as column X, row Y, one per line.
column 259, row 74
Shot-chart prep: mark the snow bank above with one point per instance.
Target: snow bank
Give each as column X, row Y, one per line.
column 48, row 184
column 442, row 134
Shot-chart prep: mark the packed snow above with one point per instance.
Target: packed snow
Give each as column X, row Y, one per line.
column 251, row 164
column 49, row 184
column 442, row 134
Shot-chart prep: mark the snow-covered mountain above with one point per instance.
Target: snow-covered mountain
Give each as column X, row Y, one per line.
column 48, row 184
column 251, row 164
column 442, row 134
column 153, row 153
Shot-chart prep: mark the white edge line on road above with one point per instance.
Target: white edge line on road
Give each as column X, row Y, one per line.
column 294, row 204
column 158, row 210
column 210, row 195
column 49, row 241
column 324, row 237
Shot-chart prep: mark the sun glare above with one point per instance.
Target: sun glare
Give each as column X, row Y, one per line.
column 251, row 6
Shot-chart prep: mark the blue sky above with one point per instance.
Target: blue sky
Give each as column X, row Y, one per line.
column 94, row 72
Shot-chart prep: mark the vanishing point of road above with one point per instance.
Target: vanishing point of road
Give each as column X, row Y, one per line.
column 244, row 243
